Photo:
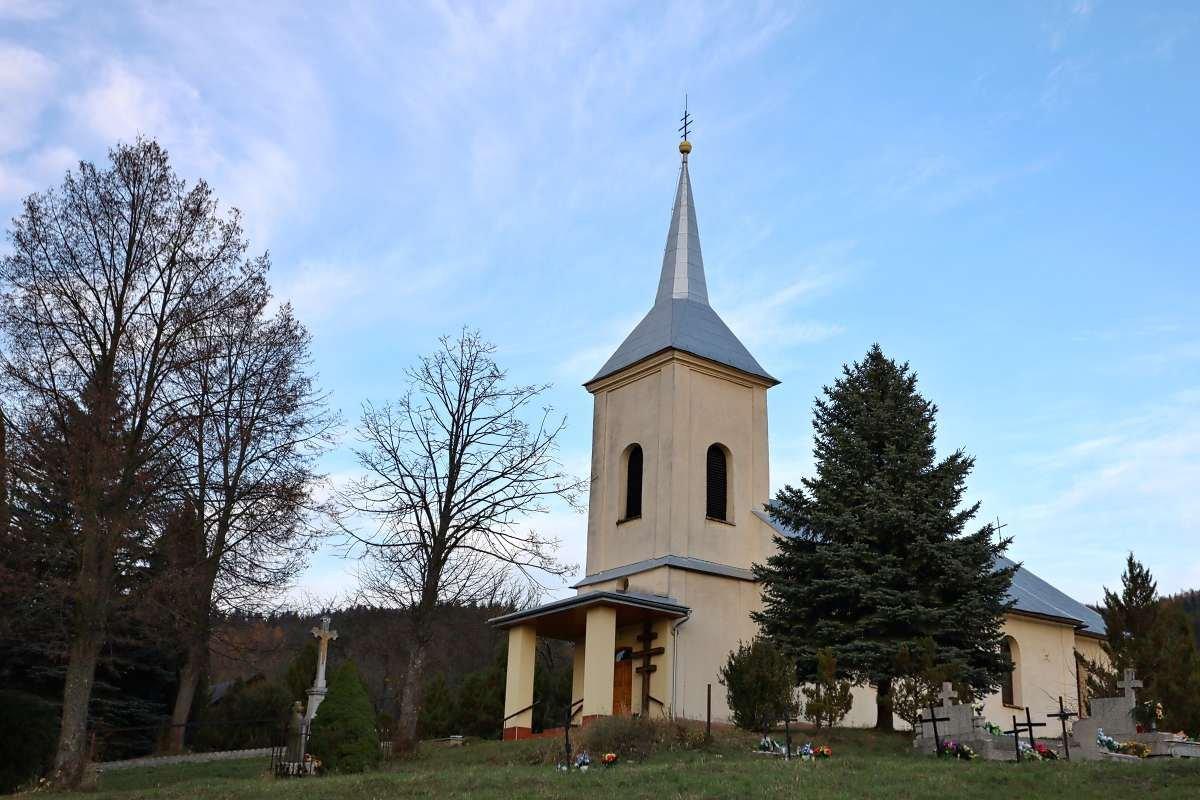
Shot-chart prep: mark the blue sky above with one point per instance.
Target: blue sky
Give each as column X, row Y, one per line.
column 1005, row 197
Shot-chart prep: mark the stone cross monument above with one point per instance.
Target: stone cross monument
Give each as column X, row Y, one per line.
column 1130, row 686
column 317, row 693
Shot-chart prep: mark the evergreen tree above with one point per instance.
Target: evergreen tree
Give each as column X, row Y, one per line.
column 1154, row 637
column 827, row 700
column 439, row 711
column 1176, row 680
column 759, row 683
column 481, row 698
column 881, row 558
column 343, row 732
column 302, row 672
column 1189, row 603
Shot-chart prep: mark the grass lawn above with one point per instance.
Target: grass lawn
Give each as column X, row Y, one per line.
column 865, row 765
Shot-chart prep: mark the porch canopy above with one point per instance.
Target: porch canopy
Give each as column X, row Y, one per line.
column 590, row 619
column 567, row 618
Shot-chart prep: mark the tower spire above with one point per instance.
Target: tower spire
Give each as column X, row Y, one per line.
column 682, row 276
column 681, row 318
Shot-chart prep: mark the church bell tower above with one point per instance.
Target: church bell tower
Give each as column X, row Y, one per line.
column 679, row 435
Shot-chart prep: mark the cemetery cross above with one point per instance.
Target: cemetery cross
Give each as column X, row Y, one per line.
column 1130, row 686
column 646, row 638
column 1062, row 716
column 1016, row 734
column 935, row 719
column 1029, row 725
column 567, row 736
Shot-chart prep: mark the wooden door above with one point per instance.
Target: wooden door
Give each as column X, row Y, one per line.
column 623, row 688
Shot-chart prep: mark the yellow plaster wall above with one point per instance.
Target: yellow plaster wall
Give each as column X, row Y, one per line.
column 1046, row 669
column 1046, row 657
column 720, row 618
column 1089, row 647
column 675, row 407
column 721, row 609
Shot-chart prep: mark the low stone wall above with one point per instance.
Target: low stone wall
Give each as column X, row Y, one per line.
column 186, row 758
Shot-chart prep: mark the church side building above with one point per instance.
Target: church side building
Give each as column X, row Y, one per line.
column 676, row 520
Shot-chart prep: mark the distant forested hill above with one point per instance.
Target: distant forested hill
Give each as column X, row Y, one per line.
column 1190, row 603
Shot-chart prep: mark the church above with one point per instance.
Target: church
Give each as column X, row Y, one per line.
column 676, row 519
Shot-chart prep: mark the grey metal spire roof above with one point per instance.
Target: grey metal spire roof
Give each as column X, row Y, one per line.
column 681, row 317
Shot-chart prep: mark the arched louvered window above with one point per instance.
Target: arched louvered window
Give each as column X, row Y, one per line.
column 1010, row 685
column 716, row 483
column 633, row 483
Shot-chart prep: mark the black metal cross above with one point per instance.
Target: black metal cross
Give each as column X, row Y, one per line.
column 1016, row 734
column 935, row 719
column 1029, row 725
column 1062, row 716
column 686, row 119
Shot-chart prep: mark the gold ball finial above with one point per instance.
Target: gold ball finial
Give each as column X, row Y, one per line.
column 685, row 147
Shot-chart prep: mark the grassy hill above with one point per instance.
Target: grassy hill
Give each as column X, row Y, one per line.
column 865, row 765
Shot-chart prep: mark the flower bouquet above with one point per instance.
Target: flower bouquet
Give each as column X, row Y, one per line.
column 1107, row 742
column 993, row 729
column 769, row 745
column 952, row 749
column 1029, row 753
column 822, row 751
column 1139, row 749
column 583, row 761
column 1045, row 753
column 608, row 759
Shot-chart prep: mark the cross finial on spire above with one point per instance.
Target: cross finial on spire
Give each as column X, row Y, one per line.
column 685, row 146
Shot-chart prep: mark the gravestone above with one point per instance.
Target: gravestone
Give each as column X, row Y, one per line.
column 961, row 721
column 1113, row 715
column 958, row 722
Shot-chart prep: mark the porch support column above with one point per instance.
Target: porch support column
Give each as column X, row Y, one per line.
column 599, row 662
column 518, row 685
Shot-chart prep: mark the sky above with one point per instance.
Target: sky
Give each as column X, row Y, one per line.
column 1003, row 196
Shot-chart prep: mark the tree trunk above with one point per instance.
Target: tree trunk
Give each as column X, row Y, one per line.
column 73, row 753
column 883, row 705
column 93, row 590
column 414, row 683
column 189, row 679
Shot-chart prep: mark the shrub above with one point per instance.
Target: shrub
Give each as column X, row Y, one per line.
column 827, row 700
column 636, row 739
column 921, row 682
column 28, row 735
column 759, row 683
column 343, row 732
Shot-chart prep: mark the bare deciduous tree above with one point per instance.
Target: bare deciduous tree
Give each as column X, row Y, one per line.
column 253, row 424
column 451, row 471
column 108, row 279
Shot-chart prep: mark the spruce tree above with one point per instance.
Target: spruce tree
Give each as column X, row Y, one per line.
column 343, row 732
column 881, row 559
column 1152, row 636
